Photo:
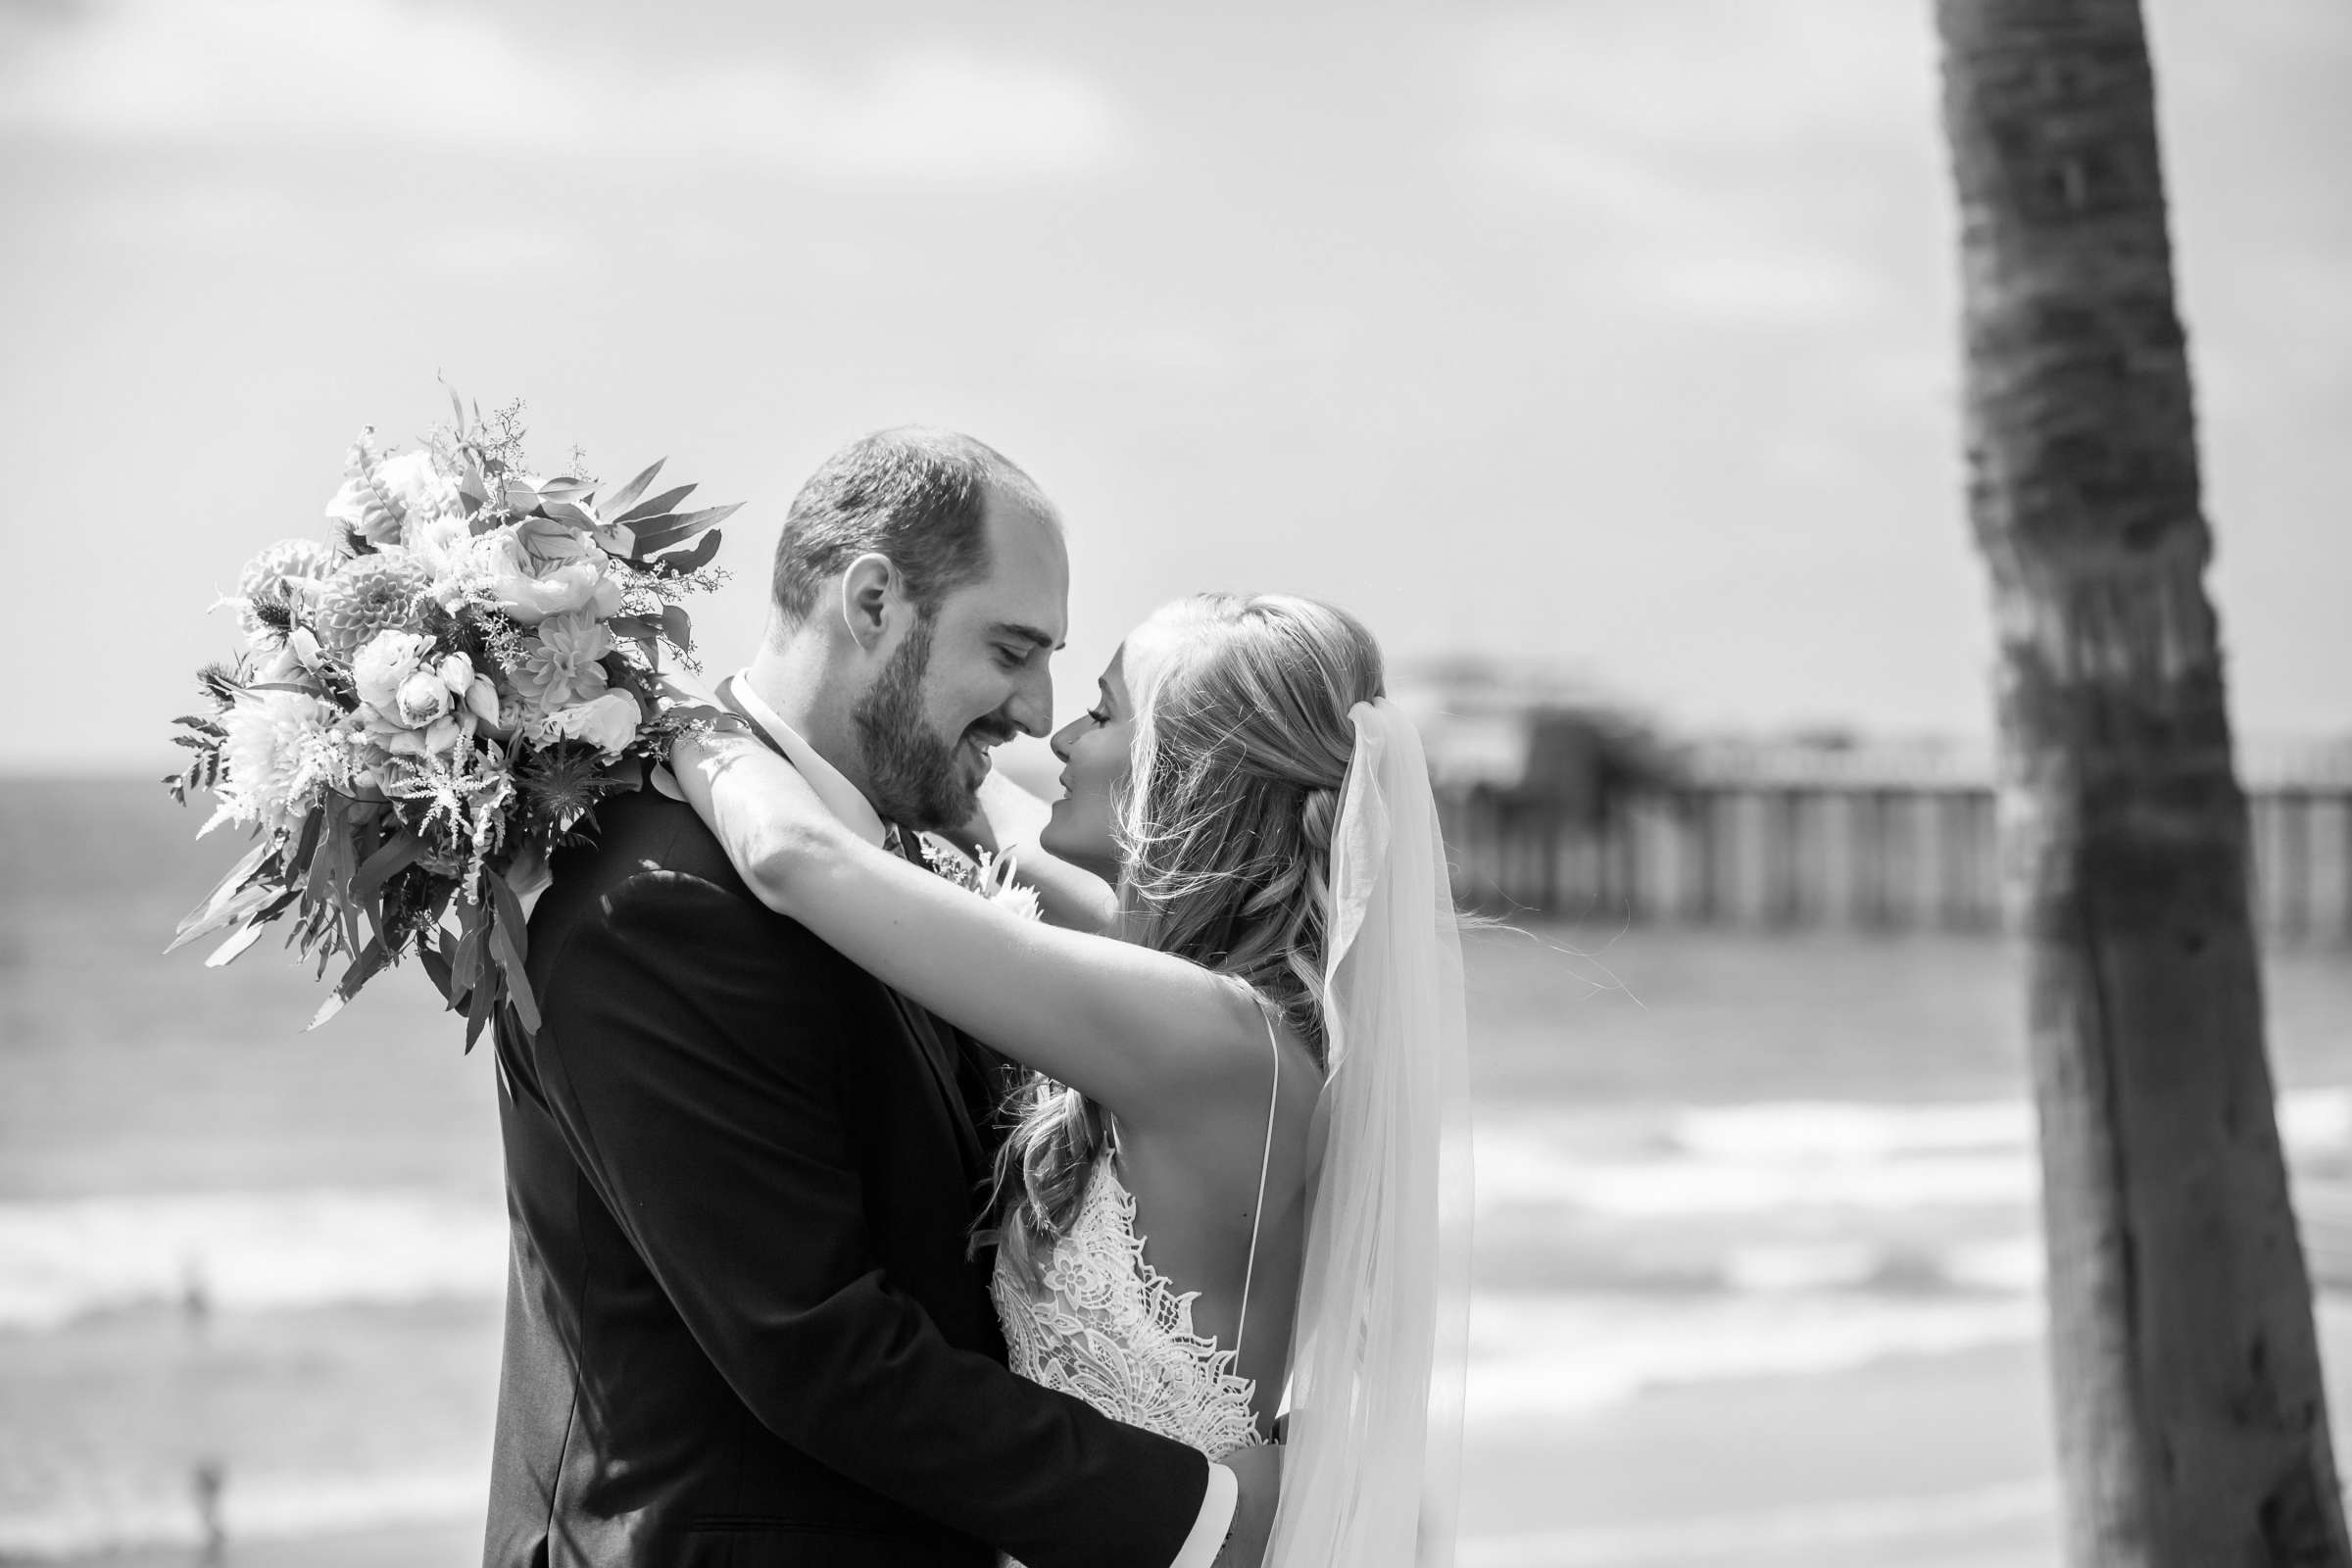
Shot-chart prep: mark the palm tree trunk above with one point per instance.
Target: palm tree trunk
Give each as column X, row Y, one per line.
column 2191, row 1423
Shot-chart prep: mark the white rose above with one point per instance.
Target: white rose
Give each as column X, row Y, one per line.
column 607, row 723
column 530, row 593
column 383, row 663
column 425, row 698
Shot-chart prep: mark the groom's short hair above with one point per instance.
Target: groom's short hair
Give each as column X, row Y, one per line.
column 914, row 494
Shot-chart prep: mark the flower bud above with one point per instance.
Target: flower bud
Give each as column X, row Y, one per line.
column 423, row 699
column 481, row 699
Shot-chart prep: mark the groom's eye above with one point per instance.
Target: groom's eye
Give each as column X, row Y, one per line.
column 1011, row 658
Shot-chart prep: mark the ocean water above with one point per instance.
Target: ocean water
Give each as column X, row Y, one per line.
column 1719, row 1177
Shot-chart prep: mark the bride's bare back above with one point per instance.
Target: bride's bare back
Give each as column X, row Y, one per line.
column 1186, row 1250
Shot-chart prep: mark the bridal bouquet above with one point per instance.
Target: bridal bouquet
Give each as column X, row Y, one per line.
column 432, row 697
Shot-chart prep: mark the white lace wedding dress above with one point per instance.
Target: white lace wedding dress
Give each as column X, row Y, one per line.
column 1113, row 1330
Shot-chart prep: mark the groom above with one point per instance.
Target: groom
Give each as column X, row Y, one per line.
column 742, row 1324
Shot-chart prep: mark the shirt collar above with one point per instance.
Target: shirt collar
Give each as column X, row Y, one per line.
column 841, row 796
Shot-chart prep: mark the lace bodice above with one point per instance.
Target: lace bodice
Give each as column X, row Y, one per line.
column 1110, row 1329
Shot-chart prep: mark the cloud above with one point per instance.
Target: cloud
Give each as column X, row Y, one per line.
column 379, row 71
column 1731, row 164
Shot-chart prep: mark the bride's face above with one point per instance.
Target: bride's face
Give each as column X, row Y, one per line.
column 1095, row 760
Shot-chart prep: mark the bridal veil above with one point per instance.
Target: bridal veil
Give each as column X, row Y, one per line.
column 1373, row 1466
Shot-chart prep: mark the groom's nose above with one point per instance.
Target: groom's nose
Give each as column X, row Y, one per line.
column 1031, row 705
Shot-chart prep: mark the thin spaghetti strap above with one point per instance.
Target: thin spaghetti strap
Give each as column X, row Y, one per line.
column 1266, row 1164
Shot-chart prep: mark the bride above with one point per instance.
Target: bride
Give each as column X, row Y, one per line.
column 1235, row 1183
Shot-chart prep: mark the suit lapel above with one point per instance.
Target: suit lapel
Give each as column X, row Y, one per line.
column 937, row 1050
column 921, row 1026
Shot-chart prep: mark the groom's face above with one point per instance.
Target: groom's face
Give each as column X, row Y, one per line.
column 953, row 686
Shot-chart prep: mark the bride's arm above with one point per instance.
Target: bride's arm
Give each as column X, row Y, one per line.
column 1150, row 1036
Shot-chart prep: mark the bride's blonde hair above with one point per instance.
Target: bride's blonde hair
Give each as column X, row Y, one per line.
column 1242, row 742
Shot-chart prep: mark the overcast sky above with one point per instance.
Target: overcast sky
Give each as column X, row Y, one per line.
column 1614, row 336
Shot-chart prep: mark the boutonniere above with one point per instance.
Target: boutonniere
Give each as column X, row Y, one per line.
column 991, row 876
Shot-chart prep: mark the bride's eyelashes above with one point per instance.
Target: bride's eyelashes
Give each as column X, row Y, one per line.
column 1099, row 717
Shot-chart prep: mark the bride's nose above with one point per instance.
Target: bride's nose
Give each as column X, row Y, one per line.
column 1064, row 738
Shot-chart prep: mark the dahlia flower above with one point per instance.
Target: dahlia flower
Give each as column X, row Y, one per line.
column 560, row 667
column 367, row 595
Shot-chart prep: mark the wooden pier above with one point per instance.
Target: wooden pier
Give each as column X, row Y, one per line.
column 1790, row 838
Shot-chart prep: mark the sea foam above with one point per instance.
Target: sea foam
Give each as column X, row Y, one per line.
column 255, row 1251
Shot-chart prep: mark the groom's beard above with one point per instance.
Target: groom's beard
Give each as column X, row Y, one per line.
column 913, row 776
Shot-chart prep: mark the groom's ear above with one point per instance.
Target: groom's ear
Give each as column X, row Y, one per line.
column 869, row 591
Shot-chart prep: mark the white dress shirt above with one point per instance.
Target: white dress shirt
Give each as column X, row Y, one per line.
column 841, row 796
column 847, row 803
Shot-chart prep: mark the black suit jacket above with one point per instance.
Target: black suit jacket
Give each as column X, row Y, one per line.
column 742, row 1326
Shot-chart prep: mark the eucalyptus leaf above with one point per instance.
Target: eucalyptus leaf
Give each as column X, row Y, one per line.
column 656, row 506
column 241, row 906
column 363, row 969
column 509, row 918
column 478, row 1007
column 510, row 944
column 518, row 982
column 683, row 562
column 306, row 845
column 677, row 529
column 436, row 970
column 203, row 917
column 626, row 496
column 465, row 962
column 400, row 852
column 228, row 953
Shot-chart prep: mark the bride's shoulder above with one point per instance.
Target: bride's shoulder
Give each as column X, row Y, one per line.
column 1253, row 1067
